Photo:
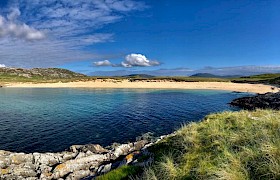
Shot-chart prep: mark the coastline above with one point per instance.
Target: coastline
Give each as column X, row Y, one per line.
column 92, row 160
column 110, row 83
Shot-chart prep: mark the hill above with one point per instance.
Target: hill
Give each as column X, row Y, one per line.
column 208, row 75
column 273, row 79
column 36, row 74
column 144, row 76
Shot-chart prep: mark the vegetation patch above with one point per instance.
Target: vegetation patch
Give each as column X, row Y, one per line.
column 121, row 173
column 261, row 78
column 229, row 145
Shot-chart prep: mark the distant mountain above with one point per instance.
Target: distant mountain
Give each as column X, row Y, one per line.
column 239, row 70
column 208, row 75
column 138, row 76
column 158, row 72
column 42, row 73
column 235, row 71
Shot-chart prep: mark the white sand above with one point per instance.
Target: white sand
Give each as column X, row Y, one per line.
column 109, row 83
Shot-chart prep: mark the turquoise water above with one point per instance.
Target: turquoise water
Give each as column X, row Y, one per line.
column 34, row 119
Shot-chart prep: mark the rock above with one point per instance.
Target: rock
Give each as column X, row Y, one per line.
column 104, row 168
column 262, row 101
column 140, row 144
column 48, row 159
column 4, row 153
column 81, row 161
column 4, row 162
column 79, row 164
column 129, row 158
column 24, row 172
column 19, row 158
column 5, row 171
column 80, row 155
column 94, row 148
column 31, row 178
column 77, row 175
column 123, row 149
column 68, row 155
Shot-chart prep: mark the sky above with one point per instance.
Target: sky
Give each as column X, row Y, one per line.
column 97, row 36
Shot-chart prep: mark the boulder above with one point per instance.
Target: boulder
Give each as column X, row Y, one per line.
column 94, row 148
column 24, row 172
column 77, row 175
column 20, row 158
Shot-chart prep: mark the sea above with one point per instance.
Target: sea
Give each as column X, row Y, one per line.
column 52, row 119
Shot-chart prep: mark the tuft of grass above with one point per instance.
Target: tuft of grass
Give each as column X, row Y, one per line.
column 227, row 146
column 121, row 173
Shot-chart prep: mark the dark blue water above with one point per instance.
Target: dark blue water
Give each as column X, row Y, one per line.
column 53, row 119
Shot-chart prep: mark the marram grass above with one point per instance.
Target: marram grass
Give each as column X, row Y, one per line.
column 242, row 145
column 227, row 146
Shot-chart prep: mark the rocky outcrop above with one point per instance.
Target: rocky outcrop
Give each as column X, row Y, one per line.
column 262, row 101
column 45, row 73
column 78, row 162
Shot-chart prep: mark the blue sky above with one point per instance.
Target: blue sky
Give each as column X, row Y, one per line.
column 131, row 35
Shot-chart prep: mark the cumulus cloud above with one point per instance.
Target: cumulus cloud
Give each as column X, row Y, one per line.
column 65, row 29
column 2, row 65
column 103, row 63
column 9, row 27
column 132, row 60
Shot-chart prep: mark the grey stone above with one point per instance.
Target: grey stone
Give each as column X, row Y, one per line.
column 48, row 159
column 104, row 168
column 77, row 175
column 24, row 172
column 19, row 158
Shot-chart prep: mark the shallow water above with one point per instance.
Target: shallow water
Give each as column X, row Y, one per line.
column 41, row 120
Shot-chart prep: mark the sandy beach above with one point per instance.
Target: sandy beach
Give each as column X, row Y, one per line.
column 253, row 88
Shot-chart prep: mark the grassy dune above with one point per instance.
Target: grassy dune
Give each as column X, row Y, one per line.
column 230, row 145
column 227, row 146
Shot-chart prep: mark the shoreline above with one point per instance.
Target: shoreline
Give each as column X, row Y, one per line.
column 126, row 84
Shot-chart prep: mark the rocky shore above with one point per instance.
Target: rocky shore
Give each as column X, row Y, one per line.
column 261, row 101
column 78, row 162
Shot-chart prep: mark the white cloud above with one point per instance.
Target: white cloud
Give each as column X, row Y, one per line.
column 103, row 63
column 138, row 60
column 9, row 27
column 68, row 27
column 131, row 60
column 2, row 65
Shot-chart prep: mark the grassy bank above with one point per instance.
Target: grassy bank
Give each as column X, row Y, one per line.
column 230, row 146
column 273, row 79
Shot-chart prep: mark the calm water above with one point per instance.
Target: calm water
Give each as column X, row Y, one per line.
column 53, row 119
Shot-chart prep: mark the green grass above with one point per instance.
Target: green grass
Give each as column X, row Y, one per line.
column 240, row 145
column 230, row 146
column 35, row 79
column 262, row 78
column 121, row 173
